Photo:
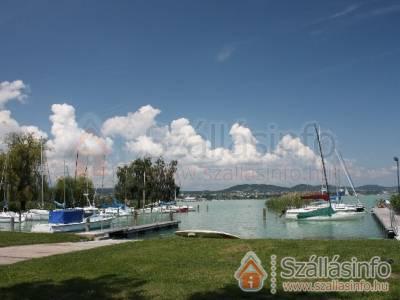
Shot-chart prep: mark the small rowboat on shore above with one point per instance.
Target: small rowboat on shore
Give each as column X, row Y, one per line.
column 206, row 234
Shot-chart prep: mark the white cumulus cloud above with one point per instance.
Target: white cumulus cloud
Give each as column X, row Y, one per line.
column 9, row 125
column 14, row 90
column 133, row 125
column 68, row 137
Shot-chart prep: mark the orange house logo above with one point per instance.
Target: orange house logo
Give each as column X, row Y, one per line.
column 251, row 275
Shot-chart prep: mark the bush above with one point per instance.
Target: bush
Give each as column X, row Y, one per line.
column 395, row 202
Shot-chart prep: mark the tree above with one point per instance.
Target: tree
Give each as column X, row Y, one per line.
column 23, row 168
column 74, row 191
column 156, row 179
column 395, row 202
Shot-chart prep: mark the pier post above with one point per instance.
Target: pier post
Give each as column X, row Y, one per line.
column 198, row 208
column 135, row 216
column 171, row 216
column 87, row 225
column 264, row 213
column 12, row 223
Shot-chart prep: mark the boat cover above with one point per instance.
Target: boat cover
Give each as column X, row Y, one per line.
column 66, row 216
column 316, row 196
column 321, row 212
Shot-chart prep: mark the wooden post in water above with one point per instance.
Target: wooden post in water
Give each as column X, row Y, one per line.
column 135, row 216
column 264, row 213
column 12, row 223
column 87, row 225
column 171, row 216
column 198, row 208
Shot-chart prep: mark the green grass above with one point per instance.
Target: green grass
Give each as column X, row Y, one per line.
column 178, row 268
column 25, row 238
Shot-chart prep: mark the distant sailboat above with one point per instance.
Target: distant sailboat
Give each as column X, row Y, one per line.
column 346, row 191
column 41, row 213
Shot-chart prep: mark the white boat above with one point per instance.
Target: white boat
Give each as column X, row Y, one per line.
column 195, row 233
column 118, row 211
column 327, row 210
column 37, row 215
column 90, row 210
column 5, row 217
column 95, row 222
column 341, row 212
column 72, row 220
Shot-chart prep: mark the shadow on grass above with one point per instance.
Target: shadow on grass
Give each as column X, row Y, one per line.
column 105, row 287
column 233, row 292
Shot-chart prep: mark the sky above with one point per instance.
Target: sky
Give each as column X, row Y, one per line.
column 228, row 88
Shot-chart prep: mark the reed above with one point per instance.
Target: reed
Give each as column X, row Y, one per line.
column 283, row 202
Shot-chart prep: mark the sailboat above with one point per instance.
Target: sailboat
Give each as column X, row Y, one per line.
column 115, row 208
column 359, row 207
column 72, row 220
column 5, row 215
column 90, row 208
column 324, row 210
column 39, row 214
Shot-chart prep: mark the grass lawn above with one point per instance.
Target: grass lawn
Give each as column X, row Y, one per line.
column 178, row 268
column 25, row 238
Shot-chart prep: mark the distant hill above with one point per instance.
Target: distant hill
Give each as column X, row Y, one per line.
column 260, row 188
column 375, row 188
column 271, row 189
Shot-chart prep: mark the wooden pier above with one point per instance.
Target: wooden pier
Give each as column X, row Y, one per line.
column 123, row 232
column 389, row 224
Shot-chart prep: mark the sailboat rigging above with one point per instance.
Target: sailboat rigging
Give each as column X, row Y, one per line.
column 325, row 210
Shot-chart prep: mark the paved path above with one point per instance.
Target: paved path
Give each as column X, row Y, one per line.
column 10, row 255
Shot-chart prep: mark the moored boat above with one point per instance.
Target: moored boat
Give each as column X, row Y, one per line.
column 327, row 210
column 6, row 216
column 37, row 215
column 71, row 220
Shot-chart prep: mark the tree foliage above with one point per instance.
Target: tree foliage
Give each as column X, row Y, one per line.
column 22, row 169
column 156, row 178
column 74, row 191
column 395, row 202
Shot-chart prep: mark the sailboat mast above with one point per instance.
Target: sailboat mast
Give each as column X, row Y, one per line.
column 102, row 176
column 41, row 169
column 64, row 183
column 144, row 188
column 323, row 163
column 346, row 172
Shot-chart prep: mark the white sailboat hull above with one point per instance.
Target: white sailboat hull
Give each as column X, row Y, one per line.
column 37, row 215
column 342, row 212
column 112, row 211
column 5, row 217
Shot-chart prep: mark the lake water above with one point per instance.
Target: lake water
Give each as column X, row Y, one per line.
column 245, row 218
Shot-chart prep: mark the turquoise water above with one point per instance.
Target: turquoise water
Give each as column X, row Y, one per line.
column 245, row 218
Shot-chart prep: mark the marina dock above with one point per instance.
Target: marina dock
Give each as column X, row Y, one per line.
column 389, row 223
column 123, row 232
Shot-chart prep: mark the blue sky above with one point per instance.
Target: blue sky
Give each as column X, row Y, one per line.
column 257, row 62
